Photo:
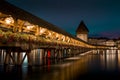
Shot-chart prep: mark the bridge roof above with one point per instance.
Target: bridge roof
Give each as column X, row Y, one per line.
column 18, row 13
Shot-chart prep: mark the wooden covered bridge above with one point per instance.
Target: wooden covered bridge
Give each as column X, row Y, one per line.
column 21, row 32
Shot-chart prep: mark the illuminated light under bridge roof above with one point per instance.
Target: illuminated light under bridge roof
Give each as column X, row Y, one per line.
column 9, row 20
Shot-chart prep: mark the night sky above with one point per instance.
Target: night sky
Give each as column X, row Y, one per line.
column 102, row 17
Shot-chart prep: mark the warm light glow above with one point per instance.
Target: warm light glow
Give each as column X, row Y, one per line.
column 49, row 33
column 42, row 30
column 57, row 36
column 63, row 37
column 30, row 27
column 0, row 13
column 68, row 40
column 9, row 20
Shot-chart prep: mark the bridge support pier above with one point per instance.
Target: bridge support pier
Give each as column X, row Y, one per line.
column 1, row 56
column 64, row 53
column 68, row 52
column 53, row 52
column 9, row 57
column 59, row 53
column 19, row 58
column 28, row 53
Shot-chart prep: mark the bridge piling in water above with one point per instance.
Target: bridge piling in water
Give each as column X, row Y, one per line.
column 15, row 56
column 28, row 53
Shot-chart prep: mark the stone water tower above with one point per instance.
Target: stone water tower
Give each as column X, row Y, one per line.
column 82, row 32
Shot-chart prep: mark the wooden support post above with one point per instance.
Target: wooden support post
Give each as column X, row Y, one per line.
column 13, row 60
column 67, row 52
column 83, row 50
column 55, row 53
column 70, row 52
column 52, row 53
column 62, row 53
column 8, row 57
column 74, row 52
column 80, row 50
column 41, row 53
column 45, row 53
column 59, row 54
column 29, row 57
column 0, row 56
column 23, row 59
column 3, row 56
column 18, row 58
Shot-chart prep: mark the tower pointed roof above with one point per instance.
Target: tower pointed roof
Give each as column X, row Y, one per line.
column 82, row 28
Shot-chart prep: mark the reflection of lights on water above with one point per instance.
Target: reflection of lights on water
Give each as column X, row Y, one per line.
column 66, row 64
column 110, row 51
column 73, row 58
column 85, row 53
column 110, row 59
column 118, row 51
column 56, row 73
column 63, row 65
column 119, row 58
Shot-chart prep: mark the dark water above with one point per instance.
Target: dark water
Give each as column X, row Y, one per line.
column 92, row 66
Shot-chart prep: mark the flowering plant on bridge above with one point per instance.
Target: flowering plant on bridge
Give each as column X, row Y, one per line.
column 21, row 38
column 10, row 37
column 3, row 37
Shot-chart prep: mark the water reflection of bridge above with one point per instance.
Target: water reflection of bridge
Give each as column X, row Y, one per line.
column 70, row 68
column 21, row 32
